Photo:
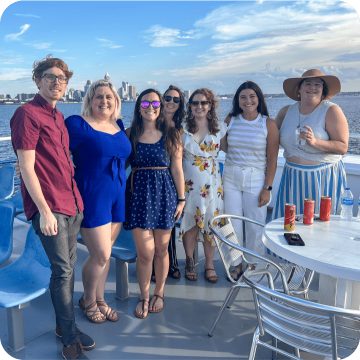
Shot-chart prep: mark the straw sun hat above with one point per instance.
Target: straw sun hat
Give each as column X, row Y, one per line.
column 291, row 87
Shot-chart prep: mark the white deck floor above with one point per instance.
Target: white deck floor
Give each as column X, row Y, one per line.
column 180, row 331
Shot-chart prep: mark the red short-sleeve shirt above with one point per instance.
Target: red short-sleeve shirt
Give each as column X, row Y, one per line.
column 40, row 127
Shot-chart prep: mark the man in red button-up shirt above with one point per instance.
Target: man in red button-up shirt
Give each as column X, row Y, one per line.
column 51, row 198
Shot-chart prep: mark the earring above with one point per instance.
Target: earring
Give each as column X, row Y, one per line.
column 208, row 115
column 298, row 95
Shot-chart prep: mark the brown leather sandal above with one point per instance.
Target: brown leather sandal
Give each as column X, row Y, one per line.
column 213, row 278
column 156, row 299
column 92, row 315
column 190, row 272
column 143, row 315
column 109, row 313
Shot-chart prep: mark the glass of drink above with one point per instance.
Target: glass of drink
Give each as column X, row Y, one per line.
column 297, row 135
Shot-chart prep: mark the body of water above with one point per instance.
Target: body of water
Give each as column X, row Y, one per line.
column 349, row 104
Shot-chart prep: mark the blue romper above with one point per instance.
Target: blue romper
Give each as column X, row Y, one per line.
column 99, row 159
column 153, row 204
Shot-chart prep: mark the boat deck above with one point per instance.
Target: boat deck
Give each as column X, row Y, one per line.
column 180, row 331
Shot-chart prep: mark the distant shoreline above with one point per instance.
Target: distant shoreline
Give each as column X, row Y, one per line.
column 221, row 97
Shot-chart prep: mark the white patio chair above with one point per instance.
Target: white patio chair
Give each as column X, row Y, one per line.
column 288, row 278
column 318, row 329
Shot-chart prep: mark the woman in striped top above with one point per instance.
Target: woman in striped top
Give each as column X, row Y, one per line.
column 250, row 166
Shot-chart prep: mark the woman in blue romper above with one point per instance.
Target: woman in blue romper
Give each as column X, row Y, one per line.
column 100, row 147
column 154, row 195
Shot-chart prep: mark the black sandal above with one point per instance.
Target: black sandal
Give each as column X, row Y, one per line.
column 143, row 315
column 174, row 273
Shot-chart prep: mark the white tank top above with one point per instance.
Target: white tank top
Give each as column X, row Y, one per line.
column 247, row 142
column 316, row 120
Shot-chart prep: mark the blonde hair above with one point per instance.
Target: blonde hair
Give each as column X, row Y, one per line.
column 86, row 106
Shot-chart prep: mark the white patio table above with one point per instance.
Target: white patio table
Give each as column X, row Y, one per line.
column 331, row 249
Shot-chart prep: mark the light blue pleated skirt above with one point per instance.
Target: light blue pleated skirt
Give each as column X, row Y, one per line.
column 299, row 182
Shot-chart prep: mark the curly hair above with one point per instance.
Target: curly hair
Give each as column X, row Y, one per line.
column 212, row 116
column 180, row 112
column 172, row 139
column 39, row 67
column 262, row 107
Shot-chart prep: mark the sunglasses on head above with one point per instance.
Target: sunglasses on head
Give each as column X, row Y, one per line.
column 168, row 98
column 196, row 103
column 155, row 104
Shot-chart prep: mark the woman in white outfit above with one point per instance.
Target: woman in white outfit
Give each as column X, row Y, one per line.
column 250, row 166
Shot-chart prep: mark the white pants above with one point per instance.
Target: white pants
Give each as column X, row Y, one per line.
column 242, row 187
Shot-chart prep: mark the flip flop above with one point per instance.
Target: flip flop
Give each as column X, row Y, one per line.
column 156, row 299
column 143, row 315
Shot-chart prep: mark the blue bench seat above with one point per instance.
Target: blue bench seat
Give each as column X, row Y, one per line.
column 124, row 251
column 22, row 281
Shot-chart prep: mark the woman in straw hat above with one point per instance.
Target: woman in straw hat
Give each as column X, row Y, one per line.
column 314, row 134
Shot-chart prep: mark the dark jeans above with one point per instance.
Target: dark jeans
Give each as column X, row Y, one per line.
column 61, row 251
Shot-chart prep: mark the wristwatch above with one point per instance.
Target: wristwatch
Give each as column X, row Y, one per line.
column 268, row 187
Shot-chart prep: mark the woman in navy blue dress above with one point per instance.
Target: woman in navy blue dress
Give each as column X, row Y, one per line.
column 99, row 146
column 154, row 195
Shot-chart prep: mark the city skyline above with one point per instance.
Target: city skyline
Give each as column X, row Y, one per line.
column 189, row 44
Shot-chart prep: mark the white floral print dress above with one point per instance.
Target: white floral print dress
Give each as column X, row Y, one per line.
column 203, row 183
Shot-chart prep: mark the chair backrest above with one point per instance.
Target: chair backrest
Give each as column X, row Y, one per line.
column 34, row 249
column 315, row 328
column 7, row 172
column 230, row 249
column 7, row 211
column 18, row 202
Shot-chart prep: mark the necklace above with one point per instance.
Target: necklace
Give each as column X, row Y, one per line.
column 306, row 116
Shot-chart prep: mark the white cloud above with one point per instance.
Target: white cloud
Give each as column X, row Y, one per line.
column 160, row 36
column 39, row 46
column 217, row 82
column 14, row 74
column 108, row 43
column 152, row 83
column 10, row 37
column 28, row 15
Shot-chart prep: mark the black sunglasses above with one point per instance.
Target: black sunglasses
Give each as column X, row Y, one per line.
column 168, row 98
column 196, row 103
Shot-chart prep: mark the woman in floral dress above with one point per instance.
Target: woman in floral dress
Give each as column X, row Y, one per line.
column 203, row 138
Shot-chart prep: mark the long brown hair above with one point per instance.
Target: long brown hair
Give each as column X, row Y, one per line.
column 180, row 112
column 172, row 139
column 212, row 116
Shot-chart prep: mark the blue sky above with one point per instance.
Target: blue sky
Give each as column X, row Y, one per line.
column 215, row 44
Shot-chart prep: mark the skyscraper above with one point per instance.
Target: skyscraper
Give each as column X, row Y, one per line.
column 132, row 91
column 125, row 86
column 87, row 86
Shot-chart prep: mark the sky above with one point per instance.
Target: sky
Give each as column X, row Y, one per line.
column 214, row 44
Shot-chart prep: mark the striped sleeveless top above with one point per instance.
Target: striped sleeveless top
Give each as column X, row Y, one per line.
column 247, row 142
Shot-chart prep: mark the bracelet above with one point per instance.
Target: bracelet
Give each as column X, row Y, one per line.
column 181, row 199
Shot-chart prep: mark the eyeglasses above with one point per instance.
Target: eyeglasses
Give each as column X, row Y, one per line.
column 196, row 103
column 51, row 78
column 168, row 98
column 317, row 83
column 155, row 104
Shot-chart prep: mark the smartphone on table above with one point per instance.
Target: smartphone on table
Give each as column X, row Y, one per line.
column 294, row 239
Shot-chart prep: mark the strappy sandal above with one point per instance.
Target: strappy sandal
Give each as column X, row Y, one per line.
column 156, row 299
column 174, row 273
column 109, row 313
column 213, row 278
column 235, row 273
column 92, row 315
column 143, row 315
column 190, row 272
